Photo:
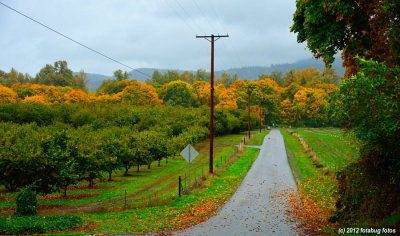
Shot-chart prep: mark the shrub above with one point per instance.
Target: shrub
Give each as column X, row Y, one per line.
column 26, row 202
column 38, row 224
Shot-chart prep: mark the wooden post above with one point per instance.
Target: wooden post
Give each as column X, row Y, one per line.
column 180, row 186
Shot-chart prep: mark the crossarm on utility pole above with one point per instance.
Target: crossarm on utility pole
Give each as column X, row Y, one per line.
column 212, row 38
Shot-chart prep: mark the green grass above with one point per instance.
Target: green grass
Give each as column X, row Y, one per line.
column 258, row 139
column 333, row 148
column 313, row 180
column 181, row 212
column 318, row 191
column 38, row 224
column 303, row 163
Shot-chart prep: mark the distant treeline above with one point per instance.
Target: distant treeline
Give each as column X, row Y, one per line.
column 295, row 98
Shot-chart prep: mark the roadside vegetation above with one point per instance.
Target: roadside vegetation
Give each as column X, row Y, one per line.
column 318, row 191
column 366, row 103
column 181, row 212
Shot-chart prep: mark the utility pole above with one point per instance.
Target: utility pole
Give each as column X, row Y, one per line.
column 212, row 38
column 260, row 117
column 248, row 114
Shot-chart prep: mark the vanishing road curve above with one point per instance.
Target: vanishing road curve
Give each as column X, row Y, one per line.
column 254, row 208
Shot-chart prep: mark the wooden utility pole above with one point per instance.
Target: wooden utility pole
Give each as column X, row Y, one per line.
column 260, row 117
column 248, row 115
column 212, row 38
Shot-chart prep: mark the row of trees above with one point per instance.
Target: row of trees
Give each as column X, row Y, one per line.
column 54, row 150
column 57, row 75
column 53, row 158
column 305, row 101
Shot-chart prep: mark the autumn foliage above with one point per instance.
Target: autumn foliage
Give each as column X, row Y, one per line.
column 7, row 95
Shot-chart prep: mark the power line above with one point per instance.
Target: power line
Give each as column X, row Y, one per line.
column 188, row 15
column 179, row 15
column 235, row 50
column 73, row 40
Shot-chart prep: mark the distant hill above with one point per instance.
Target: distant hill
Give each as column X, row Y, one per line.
column 95, row 80
column 250, row 73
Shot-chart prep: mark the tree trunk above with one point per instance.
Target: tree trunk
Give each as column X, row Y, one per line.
column 138, row 168
column 65, row 190
column 159, row 162
column 126, row 171
column 109, row 175
column 149, row 166
column 90, row 183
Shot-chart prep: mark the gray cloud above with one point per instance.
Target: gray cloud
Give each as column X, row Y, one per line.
column 147, row 33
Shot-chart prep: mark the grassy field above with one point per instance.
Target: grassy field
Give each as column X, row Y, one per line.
column 335, row 149
column 306, row 170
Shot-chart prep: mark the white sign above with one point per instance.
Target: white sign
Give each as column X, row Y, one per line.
column 189, row 153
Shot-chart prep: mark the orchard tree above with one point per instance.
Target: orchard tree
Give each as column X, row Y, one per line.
column 109, row 150
column 88, row 163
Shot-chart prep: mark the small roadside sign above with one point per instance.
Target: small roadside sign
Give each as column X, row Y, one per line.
column 189, row 153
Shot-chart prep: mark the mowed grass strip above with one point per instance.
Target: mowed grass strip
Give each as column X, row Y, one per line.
column 318, row 192
column 313, row 179
column 181, row 212
column 335, row 149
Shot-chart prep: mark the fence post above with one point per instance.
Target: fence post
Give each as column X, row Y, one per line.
column 180, row 186
column 125, row 198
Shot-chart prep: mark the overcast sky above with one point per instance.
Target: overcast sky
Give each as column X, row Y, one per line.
column 147, row 33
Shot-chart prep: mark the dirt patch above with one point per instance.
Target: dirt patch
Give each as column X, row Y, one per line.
column 71, row 196
column 48, row 206
column 85, row 187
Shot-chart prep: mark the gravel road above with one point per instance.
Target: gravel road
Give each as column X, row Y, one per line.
column 255, row 207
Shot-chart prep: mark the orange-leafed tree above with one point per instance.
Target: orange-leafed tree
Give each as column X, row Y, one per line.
column 76, row 96
column 240, row 90
column 36, row 99
column 227, row 99
column 287, row 112
column 300, row 102
column 137, row 93
column 7, row 95
column 202, row 90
